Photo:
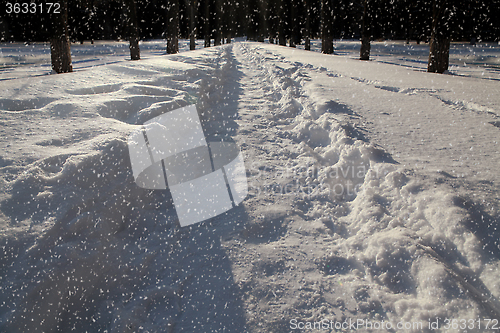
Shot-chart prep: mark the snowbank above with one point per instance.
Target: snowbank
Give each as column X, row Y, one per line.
column 364, row 205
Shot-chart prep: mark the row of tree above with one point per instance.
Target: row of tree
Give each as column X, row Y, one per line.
column 281, row 21
column 395, row 19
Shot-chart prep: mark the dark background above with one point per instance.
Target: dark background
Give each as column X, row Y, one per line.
column 391, row 19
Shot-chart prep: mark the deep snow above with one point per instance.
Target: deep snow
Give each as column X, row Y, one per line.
column 373, row 195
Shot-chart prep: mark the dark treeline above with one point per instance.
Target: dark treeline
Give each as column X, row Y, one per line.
column 283, row 21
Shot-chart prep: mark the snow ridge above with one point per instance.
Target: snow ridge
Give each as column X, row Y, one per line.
column 386, row 234
column 335, row 227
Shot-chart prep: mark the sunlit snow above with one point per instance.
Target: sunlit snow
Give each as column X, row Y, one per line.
column 373, row 190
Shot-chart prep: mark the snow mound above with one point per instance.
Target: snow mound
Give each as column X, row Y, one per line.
column 340, row 222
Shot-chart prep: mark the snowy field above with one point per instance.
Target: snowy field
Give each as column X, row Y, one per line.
column 373, row 200
column 22, row 60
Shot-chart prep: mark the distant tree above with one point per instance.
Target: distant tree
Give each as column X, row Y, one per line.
column 206, row 23
column 326, row 26
column 253, row 18
column 439, row 48
column 307, row 31
column 272, row 21
column 262, row 20
column 419, row 20
column 133, row 29
column 193, row 13
column 229, row 20
column 60, row 52
column 218, row 22
column 364, row 52
column 281, row 23
column 80, row 20
column 294, row 23
column 173, row 27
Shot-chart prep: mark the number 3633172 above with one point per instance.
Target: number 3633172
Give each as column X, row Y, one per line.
column 32, row 8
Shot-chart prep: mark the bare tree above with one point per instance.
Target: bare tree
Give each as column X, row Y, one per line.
column 133, row 28
column 206, row 23
column 326, row 26
column 294, row 24
column 218, row 22
column 262, row 31
column 254, row 13
column 60, row 52
column 230, row 13
column 272, row 19
column 193, row 10
column 364, row 51
column 439, row 48
column 281, row 23
column 173, row 27
column 307, row 34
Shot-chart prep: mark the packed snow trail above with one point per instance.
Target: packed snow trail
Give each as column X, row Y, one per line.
column 405, row 206
column 334, row 227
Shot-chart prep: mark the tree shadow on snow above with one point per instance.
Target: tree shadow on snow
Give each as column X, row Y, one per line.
column 483, row 225
column 184, row 280
column 211, row 300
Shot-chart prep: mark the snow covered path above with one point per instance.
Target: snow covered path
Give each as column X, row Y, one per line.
column 361, row 106
column 430, row 123
column 364, row 202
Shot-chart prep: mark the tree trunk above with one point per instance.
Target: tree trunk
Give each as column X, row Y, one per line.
column 281, row 24
column 206, row 24
column 60, row 52
column 193, row 6
column 173, row 27
column 439, row 54
column 364, row 52
column 253, row 18
column 307, row 37
column 326, row 27
column 218, row 22
column 135, row 52
column 272, row 26
column 294, row 22
column 439, row 48
column 262, row 6
column 229, row 21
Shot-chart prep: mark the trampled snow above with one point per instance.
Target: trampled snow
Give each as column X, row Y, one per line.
column 373, row 197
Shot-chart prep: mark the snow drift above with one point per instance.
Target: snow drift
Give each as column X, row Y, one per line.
column 373, row 196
